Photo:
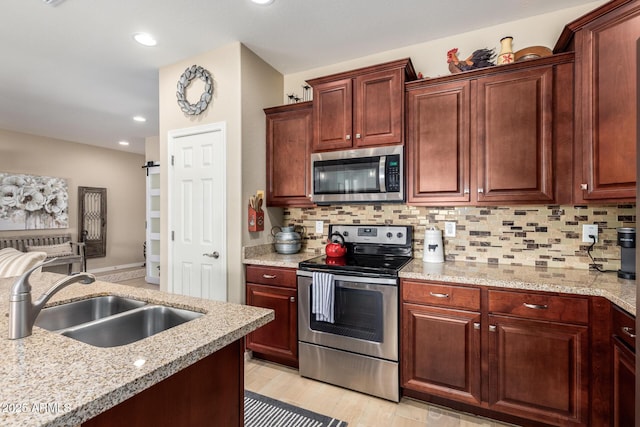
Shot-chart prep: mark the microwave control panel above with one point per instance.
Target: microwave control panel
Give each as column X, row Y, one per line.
column 392, row 173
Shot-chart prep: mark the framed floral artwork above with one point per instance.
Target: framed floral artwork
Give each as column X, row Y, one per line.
column 30, row 202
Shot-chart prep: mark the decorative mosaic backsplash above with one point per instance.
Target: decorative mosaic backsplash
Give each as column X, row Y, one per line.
column 546, row 236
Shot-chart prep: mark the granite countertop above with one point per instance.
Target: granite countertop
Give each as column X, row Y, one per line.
column 51, row 380
column 565, row 280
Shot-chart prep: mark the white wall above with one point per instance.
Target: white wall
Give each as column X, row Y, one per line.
column 430, row 58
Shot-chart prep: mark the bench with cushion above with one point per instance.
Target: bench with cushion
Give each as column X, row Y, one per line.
column 59, row 246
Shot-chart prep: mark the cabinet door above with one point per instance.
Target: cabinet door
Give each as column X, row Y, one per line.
column 624, row 384
column 539, row 370
column 289, row 135
column 332, row 115
column 441, row 352
column 277, row 339
column 438, row 144
column 514, row 136
column 606, row 111
column 379, row 108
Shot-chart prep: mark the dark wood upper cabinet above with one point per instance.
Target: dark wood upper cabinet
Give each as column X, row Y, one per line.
column 360, row 108
column 438, row 143
column 496, row 135
column 289, row 135
column 514, row 138
column 606, row 109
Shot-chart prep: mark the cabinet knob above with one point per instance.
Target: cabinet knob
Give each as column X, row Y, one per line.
column 466, row 191
column 269, row 276
column 292, row 299
column 357, row 135
column 476, row 325
column 584, row 186
column 492, row 328
column 348, row 137
column 480, row 190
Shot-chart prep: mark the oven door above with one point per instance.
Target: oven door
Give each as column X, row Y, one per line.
column 365, row 312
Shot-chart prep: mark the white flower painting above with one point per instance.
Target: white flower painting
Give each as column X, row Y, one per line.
column 33, row 202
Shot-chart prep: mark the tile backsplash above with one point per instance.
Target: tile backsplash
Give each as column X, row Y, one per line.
column 536, row 235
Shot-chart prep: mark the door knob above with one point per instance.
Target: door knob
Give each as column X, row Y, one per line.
column 215, row 255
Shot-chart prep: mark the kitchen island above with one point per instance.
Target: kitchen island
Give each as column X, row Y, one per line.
column 51, row 380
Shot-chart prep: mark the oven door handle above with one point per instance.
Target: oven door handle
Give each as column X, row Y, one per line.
column 354, row 279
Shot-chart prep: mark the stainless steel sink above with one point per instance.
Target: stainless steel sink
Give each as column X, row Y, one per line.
column 131, row 326
column 83, row 311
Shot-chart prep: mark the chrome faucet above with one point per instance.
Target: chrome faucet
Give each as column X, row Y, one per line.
column 22, row 312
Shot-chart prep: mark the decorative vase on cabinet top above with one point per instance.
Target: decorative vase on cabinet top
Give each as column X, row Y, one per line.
column 506, row 55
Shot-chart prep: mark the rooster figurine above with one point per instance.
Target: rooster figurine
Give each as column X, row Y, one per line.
column 479, row 59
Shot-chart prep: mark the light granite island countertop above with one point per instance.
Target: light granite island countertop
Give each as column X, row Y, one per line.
column 47, row 379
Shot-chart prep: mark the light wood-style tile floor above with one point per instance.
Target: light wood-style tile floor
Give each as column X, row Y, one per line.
column 359, row 410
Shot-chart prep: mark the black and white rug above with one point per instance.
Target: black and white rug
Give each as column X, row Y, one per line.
column 262, row 411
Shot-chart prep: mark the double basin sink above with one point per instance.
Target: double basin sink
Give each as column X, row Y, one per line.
column 111, row 321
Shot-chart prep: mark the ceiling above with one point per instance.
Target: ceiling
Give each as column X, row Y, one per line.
column 73, row 71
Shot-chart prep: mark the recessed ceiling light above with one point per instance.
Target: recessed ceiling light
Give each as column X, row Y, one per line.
column 139, row 119
column 145, row 39
column 263, row 2
column 125, row 143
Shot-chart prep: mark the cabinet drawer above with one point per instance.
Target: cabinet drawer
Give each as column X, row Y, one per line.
column 539, row 306
column 624, row 327
column 276, row 276
column 442, row 294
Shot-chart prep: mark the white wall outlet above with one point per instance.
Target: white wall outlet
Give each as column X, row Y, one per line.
column 449, row 229
column 589, row 230
column 319, row 227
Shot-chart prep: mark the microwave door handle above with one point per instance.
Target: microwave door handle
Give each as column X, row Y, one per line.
column 381, row 171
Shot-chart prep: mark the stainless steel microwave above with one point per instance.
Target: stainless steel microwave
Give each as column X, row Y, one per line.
column 358, row 176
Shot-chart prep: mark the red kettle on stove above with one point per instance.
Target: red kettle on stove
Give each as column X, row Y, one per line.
column 334, row 249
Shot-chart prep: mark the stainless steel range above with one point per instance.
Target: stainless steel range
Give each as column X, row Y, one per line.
column 348, row 310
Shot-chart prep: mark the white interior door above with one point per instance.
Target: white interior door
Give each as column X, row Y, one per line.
column 197, row 222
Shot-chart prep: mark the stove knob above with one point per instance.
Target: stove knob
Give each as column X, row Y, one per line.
column 345, row 233
column 399, row 235
column 389, row 234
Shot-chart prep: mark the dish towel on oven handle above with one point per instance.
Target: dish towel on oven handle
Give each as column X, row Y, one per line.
column 322, row 296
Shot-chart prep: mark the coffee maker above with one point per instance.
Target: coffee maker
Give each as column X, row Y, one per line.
column 627, row 243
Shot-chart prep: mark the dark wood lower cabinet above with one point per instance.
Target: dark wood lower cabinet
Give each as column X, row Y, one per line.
column 452, row 367
column 517, row 356
column 209, row 392
column 624, row 384
column 538, row 370
column 277, row 340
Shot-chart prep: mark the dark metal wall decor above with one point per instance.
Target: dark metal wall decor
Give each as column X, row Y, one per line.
column 92, row 220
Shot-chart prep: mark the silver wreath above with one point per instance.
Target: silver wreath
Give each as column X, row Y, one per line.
column 189, row 74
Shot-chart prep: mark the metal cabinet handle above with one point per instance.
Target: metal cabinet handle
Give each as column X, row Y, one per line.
column 348, row 137
column 215, row 255
column 476, row 325
column 292, row 299
column 536, row 306
column 492, row 328
column 357, row 135
column 629, row 331
column 584, row 186
column 438, row 295
column 480, row 190
column 465, row 191
column 269, row 276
